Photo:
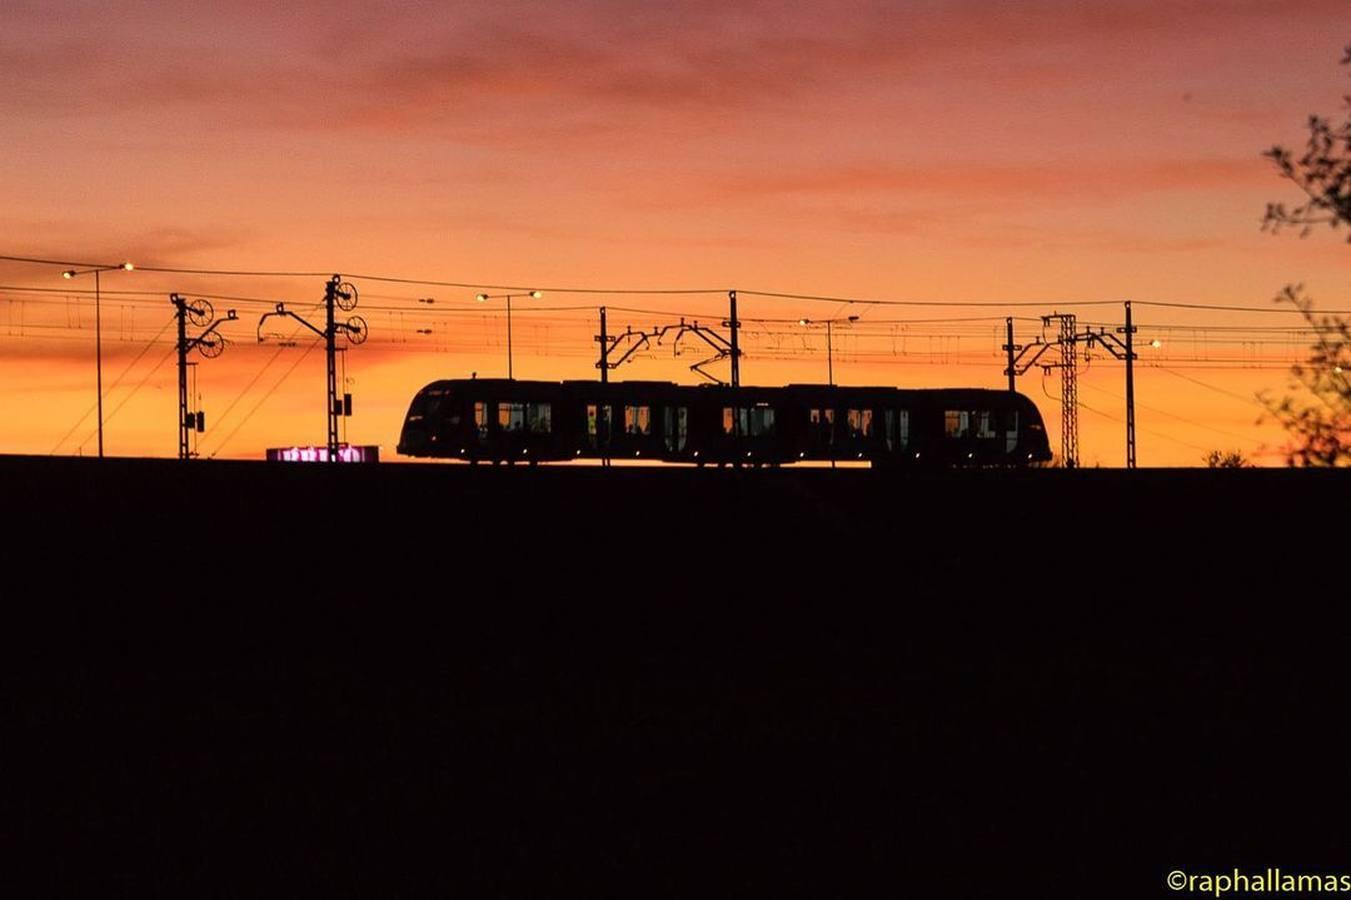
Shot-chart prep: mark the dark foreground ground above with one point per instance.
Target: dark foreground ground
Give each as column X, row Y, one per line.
column 231, row 679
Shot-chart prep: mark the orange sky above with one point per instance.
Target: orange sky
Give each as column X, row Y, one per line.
column 1043, row 151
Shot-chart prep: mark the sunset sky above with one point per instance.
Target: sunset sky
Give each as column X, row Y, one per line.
column 1019, row 156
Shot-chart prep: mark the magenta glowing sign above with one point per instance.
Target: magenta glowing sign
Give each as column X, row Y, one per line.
column 348, row 453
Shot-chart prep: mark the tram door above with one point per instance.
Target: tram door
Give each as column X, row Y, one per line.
column 675, row 428
column 821, row 433
column 484, row 414
column 1010, row 430
column 597, row 426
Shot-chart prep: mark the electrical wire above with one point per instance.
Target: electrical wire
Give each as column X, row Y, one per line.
column 1162, row 412
column 140, row 384
column 771, row 341
column 111, row 388
column 1218, row 390
column 259, row 374
column 261, row 400
column 392, row 279
column 1160, row 434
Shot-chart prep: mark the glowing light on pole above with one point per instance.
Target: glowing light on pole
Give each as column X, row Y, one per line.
column 98, row 331
column 830, row 364
column 483, row 298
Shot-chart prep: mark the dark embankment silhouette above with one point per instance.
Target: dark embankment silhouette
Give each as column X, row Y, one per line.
column 370, row 680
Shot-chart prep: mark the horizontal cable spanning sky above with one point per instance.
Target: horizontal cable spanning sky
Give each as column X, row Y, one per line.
column 1013, row 154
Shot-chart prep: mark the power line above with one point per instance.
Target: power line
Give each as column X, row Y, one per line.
column 390, row 279
column 143, row 295
column 267, row 365
column 1182, row 419
column 118, row 380
column 231, row 272
column 64, row 263
column 140, row 384
column 1166, row 437
column 261, row 400
column 1218, row 390
column 423, row 282
column 950, row 304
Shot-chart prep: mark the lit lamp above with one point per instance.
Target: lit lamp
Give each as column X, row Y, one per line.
column 483, row 298
column 830, row 365
column 98, row 330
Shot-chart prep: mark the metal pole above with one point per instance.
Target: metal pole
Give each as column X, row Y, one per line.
column 604, row 350
column 509, row 375
column 830, row 364
column 736, row 354
column 181, row 313
column 1009, row 347
column 830, row 380
column 1130, row 389
column 1069, row 380
column 330, row 349
column 98, row 354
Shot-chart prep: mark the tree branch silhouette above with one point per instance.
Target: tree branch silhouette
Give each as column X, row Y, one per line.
column 1322, row 172
column 1317, row 414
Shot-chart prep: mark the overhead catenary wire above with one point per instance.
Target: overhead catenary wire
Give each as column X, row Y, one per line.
column 963, row 341
column 657, row 291
column 1174, row 416
column 261, row 400
column 112, row 387
column 123, row 402
column 1218, row 390
column 766, row 343
column 259, row 374
column 865, row 346
column 1149, row 431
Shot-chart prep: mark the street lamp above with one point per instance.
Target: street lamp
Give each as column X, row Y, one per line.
column 482, row 298
column 830, row 364
column 98, row 330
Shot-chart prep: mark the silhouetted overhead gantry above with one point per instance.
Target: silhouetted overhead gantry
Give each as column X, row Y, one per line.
column 337, row 294
column 210, row 343
column 723, row 347
column 1066, row 342
column 609, row 343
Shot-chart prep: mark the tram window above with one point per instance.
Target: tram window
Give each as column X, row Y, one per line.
column 889, row 428
column 539, row 417
column 511, row 416
column 823, row 424
column 757, row 421
column 860, row 422
column 957, row 423
column 986, row 429
column 481, row 418
column 903, row 426
column 597, row 424
column 637, row 420
column 750, row 421
column 1011, row 431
